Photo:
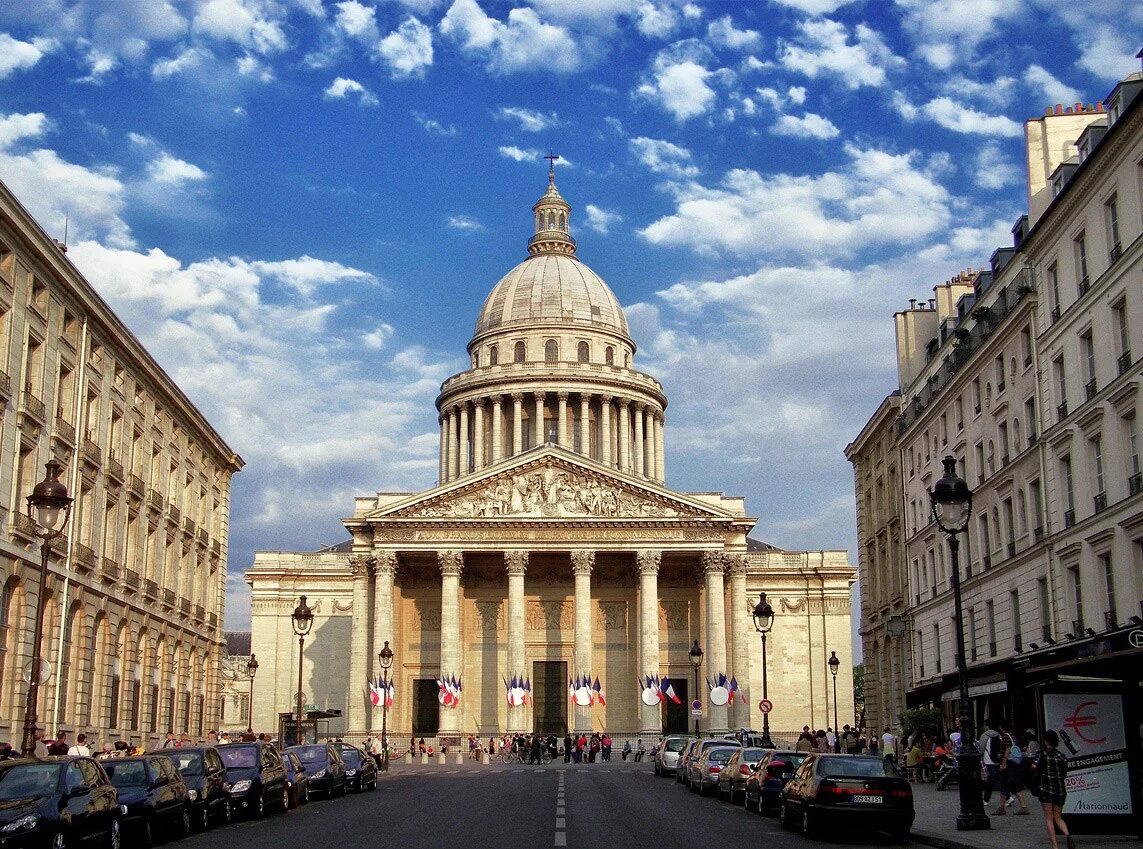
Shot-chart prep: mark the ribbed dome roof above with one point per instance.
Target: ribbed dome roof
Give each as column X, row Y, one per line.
column 551, row 287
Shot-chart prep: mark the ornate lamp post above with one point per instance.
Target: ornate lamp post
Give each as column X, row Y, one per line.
column 763, row 622
column 695, row 655
column 49, row 507
column 952, row 507
column 251, row 671
column 834, row 663
column 303, row 620
column 386, row 658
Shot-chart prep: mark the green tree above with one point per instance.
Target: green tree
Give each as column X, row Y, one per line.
column 926, row 720
column 859, row 694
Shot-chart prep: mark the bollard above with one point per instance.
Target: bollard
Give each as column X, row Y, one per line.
column 443, row 759
column 459, row 758
column 484, row 758
column 424, row 757
column 408, row 757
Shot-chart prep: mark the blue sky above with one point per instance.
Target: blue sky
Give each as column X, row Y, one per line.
column 299, row 206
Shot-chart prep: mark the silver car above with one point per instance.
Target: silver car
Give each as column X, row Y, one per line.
column 667, row 758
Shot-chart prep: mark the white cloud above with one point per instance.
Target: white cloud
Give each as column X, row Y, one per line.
column 523, row 42
column 681, row 88
column 962, row 119
column 408, row 50
column 946, row 32
column 433, row 126
column 724, row 33
column 171, row 171
column 823, row 47
column 342, row 87
column 880, row 198
column 664, row 157
column 600, row 220
column 797, row 94
column 249, row 23
column 376, row 339
column 656, row 20
column 16, row 55
column 18, row 126
column 305, row 275
column 530, row 154
column 357, row 21
column 189, row 59
column 529, row 120
column 252, row 66
column 997, row 93
column 809, row 125
column 815, row 7
column 1057, row 92
column 464, row 222
column 994, row 170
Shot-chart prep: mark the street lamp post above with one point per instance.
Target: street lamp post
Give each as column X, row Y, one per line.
column 952, row 508
column 386, row 658
column 695, row 655
column 251, row 671
column 834, row 663
column 303, row 620
column 49, row 506
column 763, row 622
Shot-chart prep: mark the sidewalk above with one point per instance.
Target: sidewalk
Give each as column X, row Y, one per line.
column 936, row 825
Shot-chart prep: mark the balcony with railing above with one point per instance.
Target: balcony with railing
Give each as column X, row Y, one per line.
column 1100, row 502
column 150, row 589
column 199, row 613
column 1083, row 285
column 203, row 537
column 215, row 547
column 155, row 500
column 184, row 606
column 212, row 619
column 83, row 557
column 1124, row 361
column 92, row 453
column 109, row 570
column 1090, row 390
column 1115, row 253
column 131, row 579
column 33, row 407
column 64, row 430
column 168, row 598
column 1069, row 518
column 189, row 526
column 1135, row 484
column 23, row 526
column 1062, row 411
column 174, row 514
column 5, row 386
column 114, row 468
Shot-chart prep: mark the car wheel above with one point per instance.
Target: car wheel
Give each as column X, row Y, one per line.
column 305, row 800
column 185, row 822
column 204, row 817
column 59, row 841
column 783, row 814
column 285, row 798
column 809, row 825
column 227, row 813
column 147, row 835
column 260, row 806
column 113, row 836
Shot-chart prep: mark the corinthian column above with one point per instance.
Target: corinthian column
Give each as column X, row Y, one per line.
column 740, row 630
column 639, row 444
column 497, row 428
column 464, row 449
column 450, row 447
column 624, row 436
column 585, row 425
column 660, row 458
column 451, row 564
column 516, row 563
column 562, row 431
column 443, row 468
column 582, row 562
column 384, row 568
column 538, row 431
column 648, row 562
column 649, row 441
column 605, row 431
column 478, row 435
column 359, row 643
column 713, row 567
column 517, row 423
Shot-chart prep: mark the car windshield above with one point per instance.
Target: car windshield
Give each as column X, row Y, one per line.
column 312, row 754
column 751, row 756
column 242, row 757
column 719, row 756
column 188, row 763
column 126, row 773
column 836, row 767
column 352, row 757
column 792, row 760
column 676, row 745
column 710, row 744
column 28, row 781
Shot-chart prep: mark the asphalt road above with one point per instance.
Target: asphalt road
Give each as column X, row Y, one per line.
column 515, row 807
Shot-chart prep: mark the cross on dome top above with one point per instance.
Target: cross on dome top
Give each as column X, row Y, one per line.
column 552, row 216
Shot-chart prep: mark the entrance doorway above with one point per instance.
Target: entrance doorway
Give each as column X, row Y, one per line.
column 550, row 697
column 676, row 718
column 426, row 708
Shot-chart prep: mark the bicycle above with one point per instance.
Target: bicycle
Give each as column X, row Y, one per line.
column 509, row 756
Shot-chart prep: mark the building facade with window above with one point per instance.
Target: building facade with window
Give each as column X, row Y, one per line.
column 551, row 550
column 134, row 605
column 1024, row 373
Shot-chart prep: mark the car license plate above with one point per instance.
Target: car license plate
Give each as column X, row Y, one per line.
column 868, row 799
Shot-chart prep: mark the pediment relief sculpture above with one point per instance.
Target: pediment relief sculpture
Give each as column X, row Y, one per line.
column 612, row 615
column 549, row 616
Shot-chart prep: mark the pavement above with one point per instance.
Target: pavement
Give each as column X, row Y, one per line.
column 620, row 805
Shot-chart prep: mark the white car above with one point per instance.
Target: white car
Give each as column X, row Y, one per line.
column 667, row 758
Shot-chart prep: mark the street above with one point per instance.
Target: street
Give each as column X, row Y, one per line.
column 458, row 806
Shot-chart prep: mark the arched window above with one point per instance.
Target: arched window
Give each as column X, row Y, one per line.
column 551, row 221
column 582, row 353
column 563, row 221
column 626, row 360
column 476, row 359
column 69, row 663
column 8, row 641
column 539, row 221
column 551, row 351
column 609, row 356
column 519, row 352
column 493, row 355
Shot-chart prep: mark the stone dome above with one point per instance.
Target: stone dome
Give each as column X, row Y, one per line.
column 551, row 288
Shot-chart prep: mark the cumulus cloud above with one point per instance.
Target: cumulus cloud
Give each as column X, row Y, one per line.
column 723, row 33
column 680, row 86
column 995, row 170
column 809, row 125
column 664, row 157
column 600, row 220
column 171, row 171
column 432, row 126
column 187, row 60
column 957, row 117
column 529, row 120
column 342, row 88
column 464, row 222
column 1042, row 81
column 16, row 55
column 357, row 21
column 530, row 154
column 946, row 32
column 408, row 50
column 522, row 42
column 249, row 23
column 823, row 48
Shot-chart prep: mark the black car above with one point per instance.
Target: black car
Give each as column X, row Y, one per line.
column 360, row 768
column 324, row 767
column 256, row 776
column 205, row 777
column 297, row 780
column 765, row 783
column 830, row 790
column 154, row 795
column 732, row 779
column 57, row 802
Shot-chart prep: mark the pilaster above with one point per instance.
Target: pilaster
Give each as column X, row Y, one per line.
column 714, row 568
column 582, row 563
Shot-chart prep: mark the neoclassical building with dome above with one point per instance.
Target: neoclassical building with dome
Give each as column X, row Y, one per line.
column 551, row 551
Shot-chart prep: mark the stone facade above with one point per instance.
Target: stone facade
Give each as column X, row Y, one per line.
column 550, row 549
column 138, row 578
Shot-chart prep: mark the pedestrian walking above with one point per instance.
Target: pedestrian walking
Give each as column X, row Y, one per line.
column 1052, row 772
column 889, row 747
column 375, row 749
column 80, row 747
column 567, row 748
column 1011, row 772
column 991, row 749
column 170, row 742
column 605, row 745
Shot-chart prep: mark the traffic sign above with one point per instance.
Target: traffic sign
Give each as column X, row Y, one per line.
column 765, row 705
column 696, row 705
column 696, row 713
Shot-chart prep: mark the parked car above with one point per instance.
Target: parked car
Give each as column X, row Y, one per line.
column 696, row 750
column 667, row 757
column 765, row 783
column 154, row 795
column 257, row 778
column 204, row 774
column 324, row 768
column 296, row 779
column 360, row 768
column 703, row 771
column 732, row 780
column 57, row 802
column 851, row 790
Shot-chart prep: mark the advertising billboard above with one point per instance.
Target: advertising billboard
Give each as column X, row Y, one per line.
column 1093, row 739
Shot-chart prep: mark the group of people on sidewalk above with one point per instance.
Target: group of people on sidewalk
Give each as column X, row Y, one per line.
column 59, row 746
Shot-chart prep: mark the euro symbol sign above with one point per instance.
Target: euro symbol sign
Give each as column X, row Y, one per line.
column 1076, row 723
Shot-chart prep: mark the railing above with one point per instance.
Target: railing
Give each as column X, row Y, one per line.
column 1089, row 390
column 109, row 569
column 168, row 597
column 150, row 588
column 92, row 453
column 1109, row 620
column 114, row 468
column 174, row 513
column 199, row 613
column 1038, row 534
column 65, row 430
column 189, row 526
column 1055, row 314
column 83, row 557
column 5, row 385
column 1124, row 361
column 184, row 606
column 131, row 579
column 135, row 486
column 1100, row 502
column 22, row 524
column 212, row 619
column 1062, row 411
column 216, row 547
column 1083, row 285
column 203, row 537
column 1069, row 518
column 155, row 500
column 1135, row 483
column 1115, row 253
column 33, row 406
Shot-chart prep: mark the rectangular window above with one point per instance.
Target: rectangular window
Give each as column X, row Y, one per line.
column 959, row 415
column 1002, row 438
column 1017, row 631
column 1077, row 599
column 1026, row 346
column 1045, row 609
column 985, row 542
column 1010, row 526
column 1111, row 219
column 1061, row 380
column 1066, row 478
column 1054, row 290
column 1096, row 443
column 990, row 621
column 1030, row 420
column 976, row 395
column 937, row 647
column 1109, row 588
column 998, row 365
column 1037, row 510
column 1081, row 263
column 979, row 453
column 1132, row 446
column 973, row 649
column 1087, row 353
column 1122, row 335
column 944, row 429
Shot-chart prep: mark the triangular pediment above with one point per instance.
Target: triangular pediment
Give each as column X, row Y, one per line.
column 549, row 483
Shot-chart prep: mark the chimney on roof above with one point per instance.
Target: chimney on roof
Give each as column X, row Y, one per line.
column 912, row 303
column 932, row 303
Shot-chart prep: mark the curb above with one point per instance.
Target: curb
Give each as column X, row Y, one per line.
column 940, row 841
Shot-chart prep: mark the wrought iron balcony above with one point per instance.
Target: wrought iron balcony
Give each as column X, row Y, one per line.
column 150, row 588
column 63, row 429
column 1069, row 518
column 33, row 407
column 109, row 570
column 1089, row 390
column 169, row 598
column 1100, row 502
column 1124, row 361
column 114, row 468
column 1083, row 285
column 131, row 579
column 135, row 486
column 83, row 557
column 92, row 453
column 155, row 500
column 1062, row 411
column 1135, row 483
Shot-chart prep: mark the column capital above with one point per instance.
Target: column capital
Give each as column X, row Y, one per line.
column 648, row 561
column 640, row 406
column 497, row 400
column 714, row 562
column 516, row 562
column 517, row 397
column 451, row 562
column 539, row 394
column 582, row 562
column 737, row 564
column 384, row 562
column 562, row 396
column 359, row 564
